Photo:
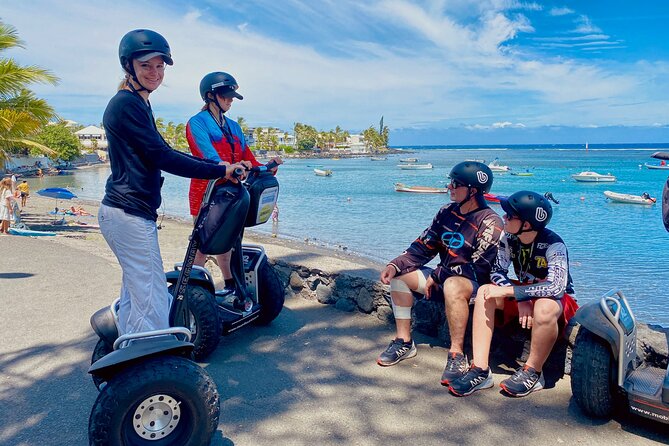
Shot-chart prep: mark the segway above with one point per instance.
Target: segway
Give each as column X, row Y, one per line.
column 258, row 295
column 151, row 392
column 606, row 372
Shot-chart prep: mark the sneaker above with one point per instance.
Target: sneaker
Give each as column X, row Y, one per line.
column 525, row 381
column 456, row 366
column 397, row 351
column 475, row 379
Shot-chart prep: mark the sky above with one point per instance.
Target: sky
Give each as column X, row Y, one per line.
column 440, row 72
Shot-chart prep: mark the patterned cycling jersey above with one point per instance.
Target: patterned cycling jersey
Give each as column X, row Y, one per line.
column 543, row 265
column 466, row 244
column 206, row 139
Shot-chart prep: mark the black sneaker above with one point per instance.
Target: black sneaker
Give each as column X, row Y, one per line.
column 475, row 379
column 456, row 366
column 397, row 351
column 525, row 381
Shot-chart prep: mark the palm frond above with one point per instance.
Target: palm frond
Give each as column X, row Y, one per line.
column 14, row 77
column 9, row 37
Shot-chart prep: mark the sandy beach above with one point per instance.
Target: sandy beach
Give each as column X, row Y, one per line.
column 308, row 378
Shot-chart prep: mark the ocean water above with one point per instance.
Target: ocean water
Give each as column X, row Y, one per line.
column 356, row 210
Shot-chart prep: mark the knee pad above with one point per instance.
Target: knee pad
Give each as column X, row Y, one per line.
column 401, row 312
column 399, row 286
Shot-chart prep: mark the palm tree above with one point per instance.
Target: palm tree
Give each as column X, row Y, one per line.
column 21, row 112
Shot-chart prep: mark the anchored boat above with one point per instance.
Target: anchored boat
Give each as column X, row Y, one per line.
column 644, row 198
column 593, row 177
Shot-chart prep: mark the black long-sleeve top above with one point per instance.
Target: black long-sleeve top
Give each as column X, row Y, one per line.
column 138, row 154
column 466, row 244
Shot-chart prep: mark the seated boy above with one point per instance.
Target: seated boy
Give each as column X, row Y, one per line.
column 540, row 261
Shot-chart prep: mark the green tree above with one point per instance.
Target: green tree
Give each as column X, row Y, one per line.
column 60, row 139
column 243, row 125
column 21, row 112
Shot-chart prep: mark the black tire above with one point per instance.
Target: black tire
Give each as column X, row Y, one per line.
column 271, row 295
column 101, row 349
column 168, row 392
column 593, row 375
column 205, row 326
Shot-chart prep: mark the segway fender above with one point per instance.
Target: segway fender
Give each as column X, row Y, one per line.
column 197, row 277
column 139, row 350
column 591, row 317
column 104, row 325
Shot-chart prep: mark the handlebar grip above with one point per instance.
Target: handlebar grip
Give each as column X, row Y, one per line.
column 271, row 165
column 238, row 172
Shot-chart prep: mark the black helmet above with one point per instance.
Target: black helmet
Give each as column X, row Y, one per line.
column 143, row 43
column 219, row 82
column 473, row 174
column 529, row 206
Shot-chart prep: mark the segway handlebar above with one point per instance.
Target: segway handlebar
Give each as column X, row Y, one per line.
column 269, row 166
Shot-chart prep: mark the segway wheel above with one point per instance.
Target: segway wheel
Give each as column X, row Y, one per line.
column 166, row 400
column 271, row 294
column 593, row 375
column 205, row 326
column 101, row 349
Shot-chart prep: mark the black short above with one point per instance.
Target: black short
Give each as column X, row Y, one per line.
column 24, row 194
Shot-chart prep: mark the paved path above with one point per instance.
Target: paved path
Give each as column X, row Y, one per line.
column 307, row 379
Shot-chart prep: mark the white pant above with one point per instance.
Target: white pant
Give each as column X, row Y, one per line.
column 145, row 302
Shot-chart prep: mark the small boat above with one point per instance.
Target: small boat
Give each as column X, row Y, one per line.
column 629, row 198
column 496, row 167
column 415, row 166
column 400, row 187
column 409, row 160
column 493, row 198
column 323, row 172
column 657, row 166
column 378, row 158
column 522, row 174
column 593, row 177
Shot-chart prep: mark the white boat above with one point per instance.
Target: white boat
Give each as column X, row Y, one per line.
column 378, row 158
column 496, row 167
column 400, row 187
column 415, row 166
column 409, row 160
column 323, row 172
column 629, row 198
column 593, row 177
column 657, row 166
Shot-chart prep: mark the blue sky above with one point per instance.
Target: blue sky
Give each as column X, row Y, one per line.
column 440, row 72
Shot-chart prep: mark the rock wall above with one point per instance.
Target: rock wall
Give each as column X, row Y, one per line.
column 351, row 293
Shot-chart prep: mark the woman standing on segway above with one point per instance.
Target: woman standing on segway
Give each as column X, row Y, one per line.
column 213, row 136
column 138, row 154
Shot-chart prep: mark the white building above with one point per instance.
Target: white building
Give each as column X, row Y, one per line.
column 92, row 137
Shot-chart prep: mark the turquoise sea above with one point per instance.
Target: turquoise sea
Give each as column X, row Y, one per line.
column 356, row 210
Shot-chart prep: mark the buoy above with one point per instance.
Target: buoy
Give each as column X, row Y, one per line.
column 582, row 198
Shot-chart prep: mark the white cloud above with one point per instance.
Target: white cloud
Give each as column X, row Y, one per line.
column 585, row 26
column 556, row 12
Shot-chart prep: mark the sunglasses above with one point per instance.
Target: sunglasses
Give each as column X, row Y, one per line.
column 510, row 217
column 455, row 184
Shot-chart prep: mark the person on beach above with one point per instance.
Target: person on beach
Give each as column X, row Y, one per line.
column 213, row 136
column 6, row 205
column 24, row 189
column 541, row 299
column 138, row 154
column 465, row 234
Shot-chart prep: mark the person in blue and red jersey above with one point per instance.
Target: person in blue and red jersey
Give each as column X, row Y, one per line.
column 541, row 299
column 138, row 154
column 465, row 234
column 213, row 136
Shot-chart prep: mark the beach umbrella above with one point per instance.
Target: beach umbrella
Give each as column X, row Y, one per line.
column 59, row 194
